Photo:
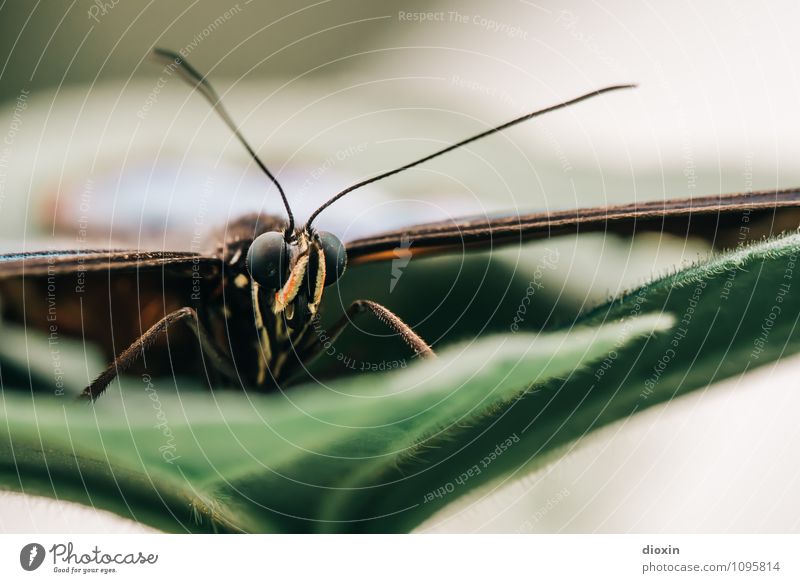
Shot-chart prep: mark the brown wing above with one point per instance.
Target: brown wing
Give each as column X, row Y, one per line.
column 32, row 263
column 720, row 219
column 106, row 298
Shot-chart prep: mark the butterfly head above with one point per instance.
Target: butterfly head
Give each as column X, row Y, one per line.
column 294, row 270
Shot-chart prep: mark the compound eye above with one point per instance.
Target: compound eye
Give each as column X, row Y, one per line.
column 268, row 260
column 335, row 256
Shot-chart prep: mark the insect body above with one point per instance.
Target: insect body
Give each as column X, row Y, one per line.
column 252, row 298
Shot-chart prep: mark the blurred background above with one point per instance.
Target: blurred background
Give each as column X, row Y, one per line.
column 335, row 91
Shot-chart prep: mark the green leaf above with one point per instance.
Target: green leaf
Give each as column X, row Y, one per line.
column 294, row 461
column 383, row 452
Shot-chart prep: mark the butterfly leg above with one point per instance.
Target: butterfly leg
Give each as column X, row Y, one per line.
column 411, row 338
column 131, row 354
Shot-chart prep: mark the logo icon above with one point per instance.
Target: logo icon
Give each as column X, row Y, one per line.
column 402, row 257
column 31, row 556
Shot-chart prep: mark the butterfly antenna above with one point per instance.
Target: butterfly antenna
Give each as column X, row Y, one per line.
column 463, row 143
column 175, row 62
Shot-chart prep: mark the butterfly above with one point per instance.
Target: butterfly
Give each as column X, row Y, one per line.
column 254, row 297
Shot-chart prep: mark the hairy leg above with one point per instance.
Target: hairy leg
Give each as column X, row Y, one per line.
column 411, row 338
column 131, row 354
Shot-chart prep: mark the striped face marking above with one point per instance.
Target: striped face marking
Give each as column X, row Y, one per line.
column 287, row 294
column 320, row 283
column 306, row 248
